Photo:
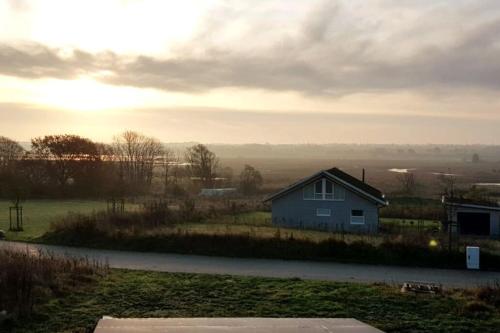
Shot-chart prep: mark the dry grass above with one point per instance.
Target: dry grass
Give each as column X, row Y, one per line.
column 28, row 279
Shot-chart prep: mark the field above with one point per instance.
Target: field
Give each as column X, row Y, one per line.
column 280, row 172
column 38, row 214
column 140, row 294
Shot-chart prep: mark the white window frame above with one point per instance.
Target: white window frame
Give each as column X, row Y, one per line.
column 359, row 220
column 323, row 189
column 324, row 214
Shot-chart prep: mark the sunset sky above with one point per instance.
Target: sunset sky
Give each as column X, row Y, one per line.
column 278, row 71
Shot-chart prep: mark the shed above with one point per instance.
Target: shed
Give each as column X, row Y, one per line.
column 472, row 217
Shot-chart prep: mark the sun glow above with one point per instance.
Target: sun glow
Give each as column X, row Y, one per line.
column 131, row 27
column 87, row 95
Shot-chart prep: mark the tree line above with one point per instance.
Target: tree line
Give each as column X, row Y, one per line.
column 133, row 164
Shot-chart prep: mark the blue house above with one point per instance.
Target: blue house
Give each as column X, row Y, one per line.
column 328, row 200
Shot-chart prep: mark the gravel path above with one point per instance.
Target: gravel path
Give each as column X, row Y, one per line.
column 310, row 270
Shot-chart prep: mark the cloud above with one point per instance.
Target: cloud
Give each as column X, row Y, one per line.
column 36, row 61
column 333, row 50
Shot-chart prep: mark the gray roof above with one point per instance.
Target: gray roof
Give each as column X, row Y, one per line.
column 469, row 203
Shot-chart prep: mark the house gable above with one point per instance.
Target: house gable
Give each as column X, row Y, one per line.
column 339, row 179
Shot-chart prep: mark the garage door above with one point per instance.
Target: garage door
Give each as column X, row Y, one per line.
column 474, row 223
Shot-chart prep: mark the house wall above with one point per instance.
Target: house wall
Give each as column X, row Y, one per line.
column 293, row 211
column 494, row 218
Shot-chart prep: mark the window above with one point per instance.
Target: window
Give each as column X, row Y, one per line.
column 323, row 190
column 328, row 190
column 309, row 192
column 357, row 216
column 318, row 190
column 323, row 212
column 339, row 193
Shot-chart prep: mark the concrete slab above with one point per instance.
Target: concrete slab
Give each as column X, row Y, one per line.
column 237, row 325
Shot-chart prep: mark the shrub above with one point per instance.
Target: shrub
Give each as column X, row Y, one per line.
column 27, row 279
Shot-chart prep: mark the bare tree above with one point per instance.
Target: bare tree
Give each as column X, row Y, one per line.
column 10, row 152
column 136, row 155
column 176, row 169
column 12, row 178
column 169, row 163
column 202, row 163
column 250, row 180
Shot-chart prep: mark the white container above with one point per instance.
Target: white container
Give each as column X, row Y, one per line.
column 472, row 253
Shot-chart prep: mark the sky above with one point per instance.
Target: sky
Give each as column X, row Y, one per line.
column 252, row 71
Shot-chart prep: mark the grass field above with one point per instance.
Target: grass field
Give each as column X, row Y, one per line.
column 259, row 224
column 409, row 222
column 142, row 294
column 38, row 214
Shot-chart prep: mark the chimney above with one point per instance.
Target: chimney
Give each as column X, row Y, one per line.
column 363, row 178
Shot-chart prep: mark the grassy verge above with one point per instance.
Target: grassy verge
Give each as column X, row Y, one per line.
column 140, row 294
column 39, row 214
column 145, row 231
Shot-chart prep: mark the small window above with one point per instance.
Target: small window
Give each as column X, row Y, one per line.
column 357, row 216
column 323, row 212
column 357, row 212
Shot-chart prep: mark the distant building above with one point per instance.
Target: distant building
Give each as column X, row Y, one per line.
column 217, row 192
column 328, row 200
column 469, row 217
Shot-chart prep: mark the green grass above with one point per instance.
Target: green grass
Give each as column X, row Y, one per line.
column 266, row 232
column 409, row 222
column 38, row 214
column 141, row 294
column 250, row 218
